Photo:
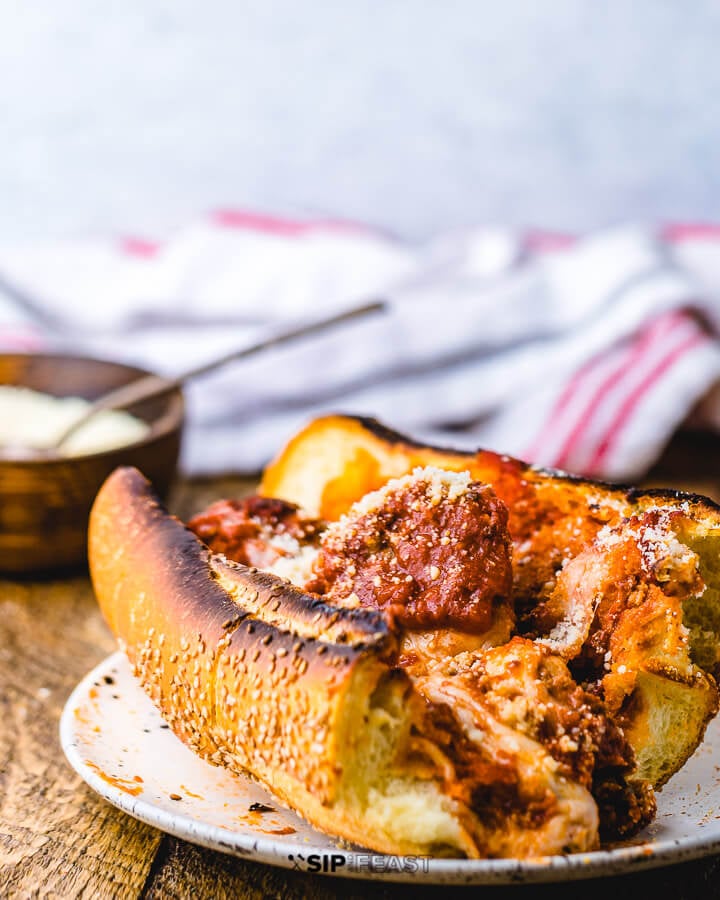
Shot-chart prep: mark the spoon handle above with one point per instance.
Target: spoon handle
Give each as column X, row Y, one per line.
column 156, row 385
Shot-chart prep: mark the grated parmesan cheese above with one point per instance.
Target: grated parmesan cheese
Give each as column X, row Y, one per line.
column 34, row 420
column 295, row 569
column 440, row 485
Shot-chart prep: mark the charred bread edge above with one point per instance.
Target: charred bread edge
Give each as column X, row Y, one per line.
column 281, row 604
column 631, row 494
column 238, row 683
column 701, row 509
column 242, row 590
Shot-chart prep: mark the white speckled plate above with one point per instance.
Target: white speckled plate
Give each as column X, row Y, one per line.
column 117, row 742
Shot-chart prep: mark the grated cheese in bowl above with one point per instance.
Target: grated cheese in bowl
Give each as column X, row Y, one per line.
column 31, row 420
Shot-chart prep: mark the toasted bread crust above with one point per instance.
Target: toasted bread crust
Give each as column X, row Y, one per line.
column 255, row 675
column 484, row 465
column 553, row 518
column 642, row 496
column 258, row 676
column 226, row 670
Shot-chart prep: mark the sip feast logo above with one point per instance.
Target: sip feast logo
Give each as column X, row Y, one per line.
column 334, row 863
column 317, row 862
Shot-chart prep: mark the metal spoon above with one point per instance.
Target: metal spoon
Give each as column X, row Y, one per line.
column 156, row 385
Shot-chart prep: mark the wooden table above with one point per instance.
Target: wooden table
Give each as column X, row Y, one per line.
column 58, row 839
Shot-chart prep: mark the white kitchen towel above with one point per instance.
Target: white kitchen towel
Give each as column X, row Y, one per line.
column 580, row 353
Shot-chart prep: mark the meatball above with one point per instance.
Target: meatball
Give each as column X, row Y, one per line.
column 431, row 549
column 256, row 531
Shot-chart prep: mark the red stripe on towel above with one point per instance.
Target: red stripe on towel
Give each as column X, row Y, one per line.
column 548, row 241
column 11, row 339
column 624, row 413
column 239, row 218
column 643, row 343
column 690, row 231
column 136, row 246
column 608, row 383
column 573, row 386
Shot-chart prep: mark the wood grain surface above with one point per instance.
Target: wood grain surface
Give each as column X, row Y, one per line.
column 58, row 839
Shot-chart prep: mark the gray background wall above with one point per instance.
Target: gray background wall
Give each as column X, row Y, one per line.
column 418, row 116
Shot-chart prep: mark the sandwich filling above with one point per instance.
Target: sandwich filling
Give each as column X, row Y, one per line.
column 530, row 735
